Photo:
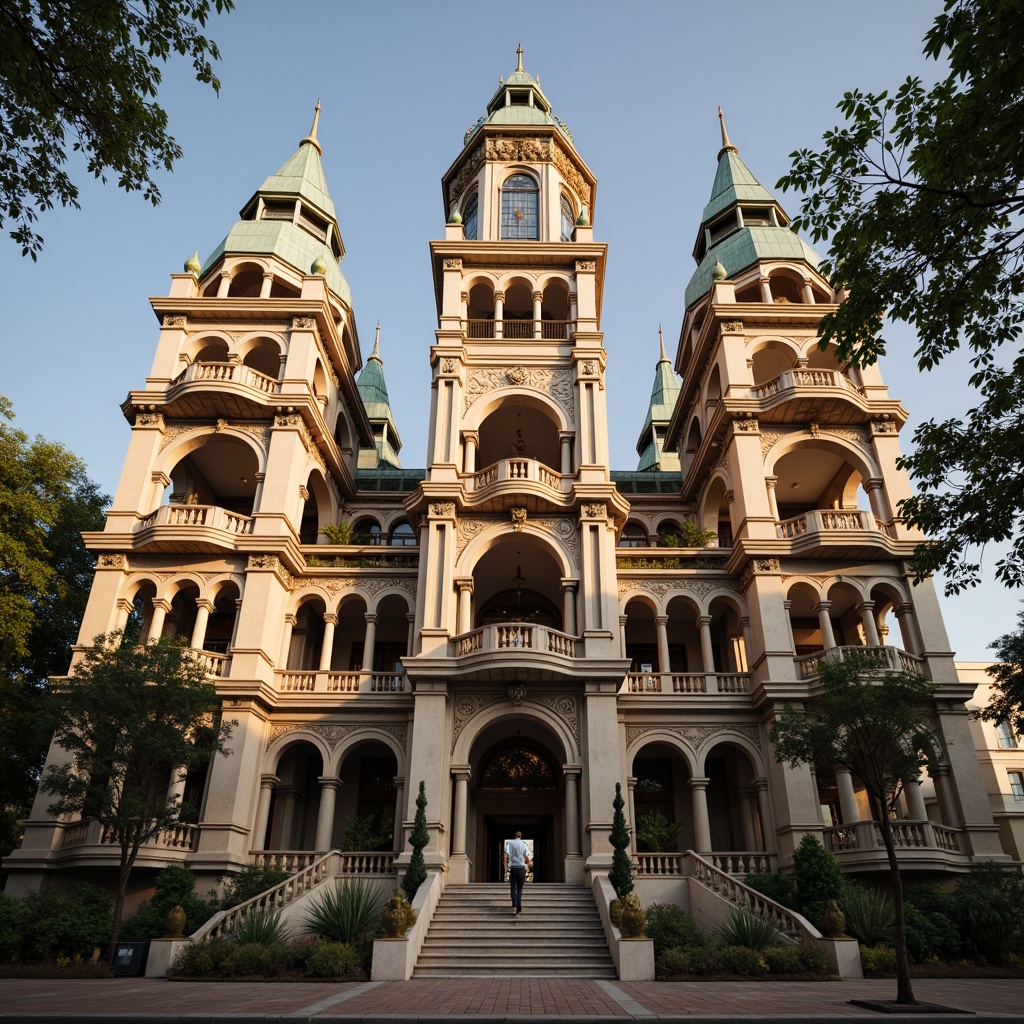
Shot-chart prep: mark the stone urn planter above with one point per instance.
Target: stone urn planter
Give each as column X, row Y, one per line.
column 174, row 922
column 834, row 921
column 615, row 912
column 633, row 917
column 397, row 917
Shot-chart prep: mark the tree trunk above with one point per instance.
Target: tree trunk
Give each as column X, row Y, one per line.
column 128, row 855
column 904, row 989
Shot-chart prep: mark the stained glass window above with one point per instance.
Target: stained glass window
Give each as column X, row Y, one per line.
column 517, row 769
column 519, row 208
column 470, row 216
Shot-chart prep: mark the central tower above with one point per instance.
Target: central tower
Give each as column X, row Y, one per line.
column 518, row 512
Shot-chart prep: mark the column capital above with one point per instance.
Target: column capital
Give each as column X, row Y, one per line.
column 569, row 583
column 866, row 606
column 760, row 784
column 162, row 603
column 206, row 604
column 329, row 782
column 371, row 617
column 471, row 435
column 630, row 782
column 771, row 481
column 290, row 618
column 699, row 782
column 823, row 606
column 331, row 617
column 269, row 781
column 461, row 772
column 572, row 770
column 703, row 620
column 662, row 620
column 463, row 583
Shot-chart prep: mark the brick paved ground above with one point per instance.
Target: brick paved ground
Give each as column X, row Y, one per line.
column 482, row 998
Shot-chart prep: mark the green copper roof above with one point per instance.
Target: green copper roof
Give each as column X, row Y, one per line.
column 302, row 174
column 733, row 184
column 664, row 393
column 744, row 248
column 374, row 394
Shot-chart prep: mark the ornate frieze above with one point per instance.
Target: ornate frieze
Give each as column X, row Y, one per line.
column 171, row 320
column 570, row 172
column 565, row 706
column 453, row 264
column 732, row 327
column 112, row 562
column 564, row 530
column 595, row 510
column 695, row 736
column 516, row 149
column 332, row 735
column 442, row 509
column 273, row 563
column 303, row 323
column 884, row 426
column 369, row 585
column 469, row 171
column 759, row 566
column 555, row 383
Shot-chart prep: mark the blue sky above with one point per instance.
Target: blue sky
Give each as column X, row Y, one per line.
column 399, row 83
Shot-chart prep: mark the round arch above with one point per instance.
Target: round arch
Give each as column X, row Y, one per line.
column 351, row 742
column 492, row 536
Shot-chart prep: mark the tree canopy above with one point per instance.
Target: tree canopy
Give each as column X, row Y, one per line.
column 129, row 717
column 1008, row 676
column 86, row 75
column 920, row 194
column 46, row 500
column 875, row 724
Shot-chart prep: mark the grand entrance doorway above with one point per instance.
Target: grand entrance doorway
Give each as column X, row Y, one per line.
column 518, row 787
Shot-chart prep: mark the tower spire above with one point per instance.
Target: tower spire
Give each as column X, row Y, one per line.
column 311, row 137
column 727, row 146
column 661, row 339
column 375, row 354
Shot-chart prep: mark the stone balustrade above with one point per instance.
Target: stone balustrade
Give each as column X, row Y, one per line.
column 519, row 471
column 212, row 517
column 228, row 373
column 507, row 636
column 790, row 380
column 892, row 658
column 687, row 682
column 308, row 681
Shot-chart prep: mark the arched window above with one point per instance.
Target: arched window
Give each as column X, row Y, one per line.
column 519, row 208
column 568, row 219
column 402, row 536
column 469, row 218
column 633, row 536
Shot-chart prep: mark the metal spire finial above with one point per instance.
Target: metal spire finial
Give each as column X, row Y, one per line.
column 727, row 146
column 311, row 137
column 375, row 354
column 661, row 339
column 519, row 51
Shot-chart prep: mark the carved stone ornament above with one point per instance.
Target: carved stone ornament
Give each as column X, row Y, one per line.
column 263, row 562
column 564, row 531
column 149, row 419
column 570, row 172
column 884, row 427
column 448, row 366
column 588, row 367
column 662, row 588
column 518, row 518
column 507, row 150
column 442, row 509
column 517, row 693
column 303, row 492
column 332, row 735
column 469, row 171
column 112, row 562
column 696, row 736
column 453, row 264
column 557, row 384
column 747, row 426
column 174, row 321
column 759, row 565
column 303, row 323
column 595, row 510
column 584, row 265
column 732, row 327
column 517, row 376
column 288, row 420
column 564, row 706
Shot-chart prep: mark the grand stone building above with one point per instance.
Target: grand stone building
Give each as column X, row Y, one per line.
column 517, row 625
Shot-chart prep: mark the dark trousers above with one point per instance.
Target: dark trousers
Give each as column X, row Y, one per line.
column 516, row 881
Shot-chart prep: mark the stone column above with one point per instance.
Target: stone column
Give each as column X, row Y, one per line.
column 461, row 774
column 329, row 787
column 565, row 447
column 787, row 605
column 631, row 811
column 267, row 284
column 572, row 809
column 569, row 586
column 664, row 660
column 470, row 440
column 288, row 798
column 176, row 787
column 706, row 651
column 944, row 791
column 224, row 285
column 808, row 293
column 875, row 489
column 369, row 639
column 537, row 297
column 411, row 638
column 773, row 500
column 286, row 640
column 257, row 497
column 748, row 642
column 766, row 290
column 745, row 796
column 464, row 615
column 908, row 628
column 499, row 314
column 398, row 839
column 828, row 638
column 161, row 607
column 866, row 610
column 327, row 647
column 203, row 609
column 259, row 832
column 764, row 809
column 915, row 800
column 623, row 619
column 701, row 824
column 847, row 797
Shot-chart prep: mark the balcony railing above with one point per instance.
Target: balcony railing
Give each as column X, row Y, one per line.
column 519, row 470
column 892, row 658
column 89, row 832
column 228, row 373
column 216, row 665
column 906, row 834
column 551, row 330
column 352, row 862
column 804, row 379
column 510, row 636
column 823, row 520
column 213, row 517
column 688, row 682
column 291, row 681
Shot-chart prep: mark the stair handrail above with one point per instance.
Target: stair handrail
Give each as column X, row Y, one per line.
column 786, row 922
column 274, row 898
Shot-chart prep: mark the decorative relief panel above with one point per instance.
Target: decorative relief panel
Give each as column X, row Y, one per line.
column 699, row 588
column 469, row 171
column 884, row 427
column 563, row 529
column 746, row 426
column 112, row 562
column 759, row 565
column 595, row 510
column 303, row 323
column 509, row 150
column 695, row 736
column 149, row 419
column 274, row 563
column 174, row 321
column 585, row 265
column 453, row 264
column 334, row 734
column 555, row 383
column 443, row 509
column 469, row 706
column 569, row 171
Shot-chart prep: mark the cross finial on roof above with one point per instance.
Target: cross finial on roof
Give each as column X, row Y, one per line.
column 519, row 51
column 311, row 137
column 727, row 146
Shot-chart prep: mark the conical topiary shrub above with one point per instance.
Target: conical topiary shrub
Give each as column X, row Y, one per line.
column 621, row 874
column 416, row 873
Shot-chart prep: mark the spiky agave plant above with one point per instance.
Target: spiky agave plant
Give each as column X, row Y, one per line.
column 346, row 913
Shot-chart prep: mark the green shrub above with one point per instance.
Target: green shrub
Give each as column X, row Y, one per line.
column 931, row 929
column 194, row 960
column 746, row 929
column 416, row 873
column 878, row 961
column 988, row 908
column 252, row 958
column 346, row 913
column 332, row 960
column 12, row 926
column 260, row 928
column 782, row 959
column 66, row 924
column 372, row 831
column 695, row 961
column 655, row 833
column 250, row 882
column 175, row 886
column 671, row 927
column 621, row 874
column 742, row 960
column 870, row 915
column 776, row 886
column 819, row 879
column 672, row 962
column 814, row 960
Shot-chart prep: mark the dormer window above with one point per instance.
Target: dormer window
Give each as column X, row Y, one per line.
column 519, row 208
column 469, row 218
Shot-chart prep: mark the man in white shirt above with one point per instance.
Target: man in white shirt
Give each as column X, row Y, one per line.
column 517, row 857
